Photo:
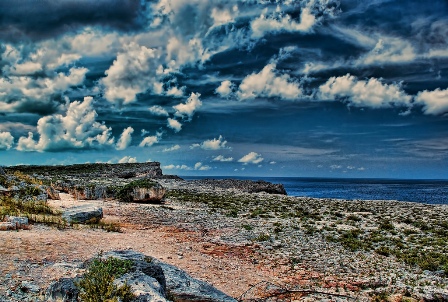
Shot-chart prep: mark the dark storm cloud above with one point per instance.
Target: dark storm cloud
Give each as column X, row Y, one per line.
column 37, row 19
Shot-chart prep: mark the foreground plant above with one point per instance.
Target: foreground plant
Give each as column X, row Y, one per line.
column 97, row 285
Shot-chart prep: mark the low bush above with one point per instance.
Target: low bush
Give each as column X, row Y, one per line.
column 97, row 285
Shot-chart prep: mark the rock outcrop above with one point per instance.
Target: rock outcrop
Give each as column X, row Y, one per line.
column 14, row 223
column 153, row 194
column 248, row 186
column 150, row 280
column 83, row 214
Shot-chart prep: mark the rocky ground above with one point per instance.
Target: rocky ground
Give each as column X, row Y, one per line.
column 250, row 245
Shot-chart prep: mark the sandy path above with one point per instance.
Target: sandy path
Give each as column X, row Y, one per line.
column 30, row 254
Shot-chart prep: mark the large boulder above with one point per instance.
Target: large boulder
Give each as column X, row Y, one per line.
column 83, row 213
column 150, row 280
column 176, row 283
column 141, row 190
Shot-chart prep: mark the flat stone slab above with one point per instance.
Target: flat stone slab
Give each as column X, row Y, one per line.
column 82, row 213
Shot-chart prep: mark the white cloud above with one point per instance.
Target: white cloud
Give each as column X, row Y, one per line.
column 222, row 158
column 199, row 166
column 127, row 160
column 6, row 140
column 77, row 129
column 372, row 93
column 388, row 50
column 133, row 72
column 434, row 102
column 188, row 109
column 158, row 110
column 251, row 158
column 25, row 93
column 225, row 89
column 212, row 144
column 272, row 162
column 150, row 140
column 267, row 83
column 173, row 148
column 335, row 167
column 177, row 167
column 277, row 22
column 174, row 124
column 125, row 139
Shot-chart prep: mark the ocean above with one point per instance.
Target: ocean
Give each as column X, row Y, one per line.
column 422, row 191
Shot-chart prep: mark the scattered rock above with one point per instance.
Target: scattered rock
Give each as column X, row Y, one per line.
column 2, row 172
column 82, row 214
column 53, row 194
column 14, row 223
column 27, row 287
column 7, row 226
column 62, row 290
column 182, row 287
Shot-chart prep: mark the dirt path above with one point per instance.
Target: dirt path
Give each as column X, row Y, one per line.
column 30, row 255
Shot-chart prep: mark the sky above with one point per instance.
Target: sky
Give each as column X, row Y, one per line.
column 309, row 88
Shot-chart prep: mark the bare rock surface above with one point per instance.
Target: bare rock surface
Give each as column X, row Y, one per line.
column 83, row 213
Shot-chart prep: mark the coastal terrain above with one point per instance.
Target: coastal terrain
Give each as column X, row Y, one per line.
column 247, row 239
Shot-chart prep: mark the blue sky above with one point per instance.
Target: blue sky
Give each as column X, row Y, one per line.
column 228, row 87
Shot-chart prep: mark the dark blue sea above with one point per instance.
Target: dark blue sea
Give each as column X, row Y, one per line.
column 423, row 191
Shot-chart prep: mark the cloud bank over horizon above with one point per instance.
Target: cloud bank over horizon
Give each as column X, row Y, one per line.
column 225, row 86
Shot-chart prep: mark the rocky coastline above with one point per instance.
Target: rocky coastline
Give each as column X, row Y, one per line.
column 308, row 248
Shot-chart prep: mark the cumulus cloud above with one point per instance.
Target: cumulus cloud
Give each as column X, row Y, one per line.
column 77, row 129
column 127, row 160
column 173, row 148
column 6, row 140
column 222, row 158
column 267, row 83
column 36, row 94
column 158, row 110
column 133, row 72
column 201, row 167
column 198, row 167
column 251, row 158
column 434, row 102
column 278, row 21
column 212, row 144
column 150, row 140
column 225, row 89
column 176, row 167
column 360, row 93
column 188, row 109
column 174, row 124
column 125, row 139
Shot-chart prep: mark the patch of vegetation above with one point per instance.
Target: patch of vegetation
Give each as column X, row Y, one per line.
column 247, row 227
column 104, row 225
column 386, row 225
column 97, row 285
column 35, row 211
column 262, row 237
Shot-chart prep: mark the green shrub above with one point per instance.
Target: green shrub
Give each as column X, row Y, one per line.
column 262, row 237
column 97, row 284
column 386, row 225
